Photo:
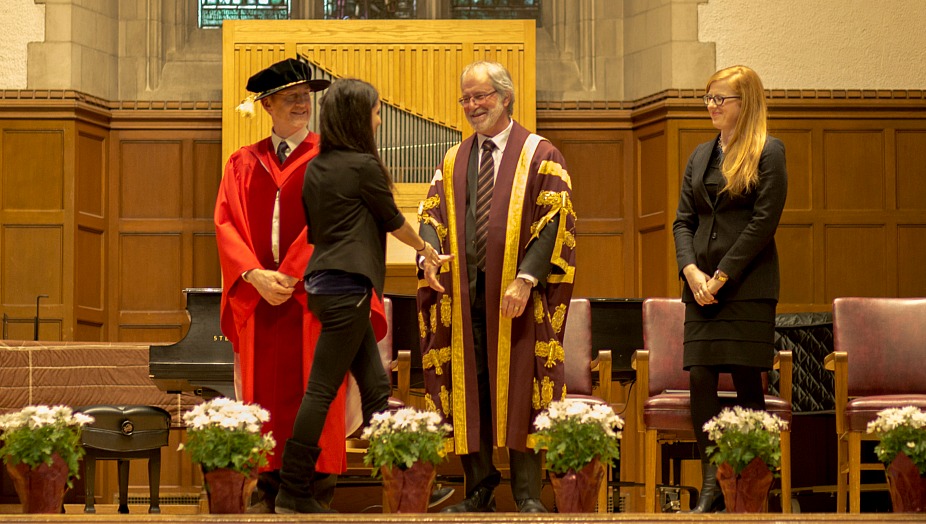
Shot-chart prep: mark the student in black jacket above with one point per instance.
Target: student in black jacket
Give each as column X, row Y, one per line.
column 731, row 201
column 349, row 208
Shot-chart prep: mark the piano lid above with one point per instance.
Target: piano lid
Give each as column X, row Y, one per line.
column 201, row 362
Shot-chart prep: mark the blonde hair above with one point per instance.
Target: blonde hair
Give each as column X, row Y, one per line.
column 741, row 157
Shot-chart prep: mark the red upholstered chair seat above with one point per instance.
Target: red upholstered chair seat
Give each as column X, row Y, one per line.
column 862, row 410
column 672, row 411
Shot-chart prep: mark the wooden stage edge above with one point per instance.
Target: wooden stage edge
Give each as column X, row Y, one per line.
column 512, row 518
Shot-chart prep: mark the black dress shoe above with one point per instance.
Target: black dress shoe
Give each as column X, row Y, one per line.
column 439, row 495
column 481, row 500
column 531, row 506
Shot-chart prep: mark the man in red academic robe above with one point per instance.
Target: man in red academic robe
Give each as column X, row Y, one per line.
column 492, row 319
column 263, row 251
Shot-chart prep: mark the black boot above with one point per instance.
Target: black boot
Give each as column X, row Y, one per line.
column 297, row 489
column 711, row 497
column 323, row 485
column 264, row 497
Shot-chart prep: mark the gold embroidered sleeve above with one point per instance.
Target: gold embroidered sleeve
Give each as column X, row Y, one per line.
column 557, row 199
column 549, row 167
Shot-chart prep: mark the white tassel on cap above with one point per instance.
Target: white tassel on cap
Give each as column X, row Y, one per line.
column 246, row 107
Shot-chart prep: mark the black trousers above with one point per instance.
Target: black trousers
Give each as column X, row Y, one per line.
column 705, row 404
column 478, row 468
column 346, row 343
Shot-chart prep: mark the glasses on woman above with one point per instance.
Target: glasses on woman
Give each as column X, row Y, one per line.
column 716, row 99
column 475, row 99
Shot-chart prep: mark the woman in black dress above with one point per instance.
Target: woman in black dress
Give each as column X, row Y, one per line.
column 732, row 197
column 349, row 208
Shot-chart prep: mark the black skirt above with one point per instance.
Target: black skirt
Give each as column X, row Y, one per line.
column 738, row 333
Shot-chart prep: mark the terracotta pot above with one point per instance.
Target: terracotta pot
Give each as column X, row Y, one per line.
column 229, row 491
column 748, row 491
column 41, row 489
column 907, row 486
column 577, row 491
column 408, row 490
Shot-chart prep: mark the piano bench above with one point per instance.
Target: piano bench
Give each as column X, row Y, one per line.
column 122, row 433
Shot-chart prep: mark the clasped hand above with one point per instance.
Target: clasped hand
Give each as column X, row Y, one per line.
column 703, row 286
column 275, row 287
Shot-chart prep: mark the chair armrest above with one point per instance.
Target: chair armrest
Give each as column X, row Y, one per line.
column 403, row 380
column 640, row 362
column 602, row 364
column 784, row 363
column 838, row 363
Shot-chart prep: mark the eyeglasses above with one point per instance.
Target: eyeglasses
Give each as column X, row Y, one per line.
column 716, row 99
column 475, row 99
column 295, row 98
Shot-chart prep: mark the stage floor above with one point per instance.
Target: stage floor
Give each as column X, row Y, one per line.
column 508, row 518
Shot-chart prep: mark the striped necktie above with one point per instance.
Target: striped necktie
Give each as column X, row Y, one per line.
column 484, row 183
column 282, row 151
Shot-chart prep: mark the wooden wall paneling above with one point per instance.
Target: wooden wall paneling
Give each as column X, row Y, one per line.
column 600, row 167
column 90, row 247
column 166, row 182
column 854, row 257
column 36, row 226
column 910, row 159
column 911, row 259
column 854, row 174
column 651, row 207
column 206, row 176
column 798, row 155
column 800, row 286
column 796, row 262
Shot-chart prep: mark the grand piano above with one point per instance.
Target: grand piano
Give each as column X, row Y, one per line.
column 203, row 361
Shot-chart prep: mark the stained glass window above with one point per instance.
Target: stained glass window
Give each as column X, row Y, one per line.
column 495, row 9
column 370, row 9
column 213, row 12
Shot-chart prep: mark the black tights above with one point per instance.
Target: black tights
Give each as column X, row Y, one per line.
column 705, row 404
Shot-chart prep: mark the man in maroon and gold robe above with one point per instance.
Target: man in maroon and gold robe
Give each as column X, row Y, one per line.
column 491, row 319
column 263, row 251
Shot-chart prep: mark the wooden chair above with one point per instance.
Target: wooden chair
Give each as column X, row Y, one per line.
column 580, row 364
column 886, row 340
column 663, row 405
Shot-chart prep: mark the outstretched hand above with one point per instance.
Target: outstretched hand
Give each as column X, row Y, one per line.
column 432, row 270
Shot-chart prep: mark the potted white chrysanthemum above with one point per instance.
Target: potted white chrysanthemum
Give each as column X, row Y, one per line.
column 224, row 438
column 41, row 447
column 580, row 439
column 405, row 446
column 747, row 447
column 903, row 451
